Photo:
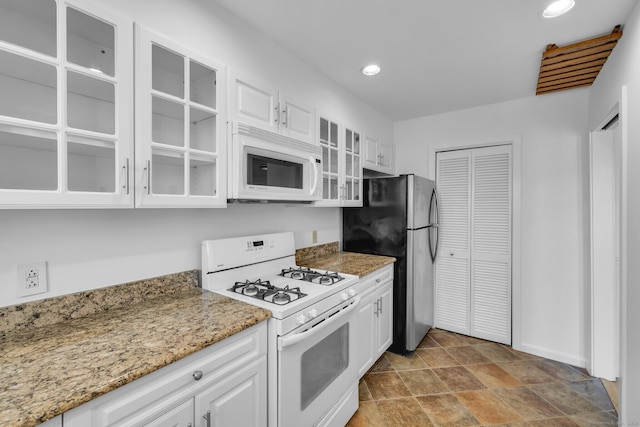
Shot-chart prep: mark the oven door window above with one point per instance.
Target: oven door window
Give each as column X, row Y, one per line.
column 322, row 364
column 265, row 171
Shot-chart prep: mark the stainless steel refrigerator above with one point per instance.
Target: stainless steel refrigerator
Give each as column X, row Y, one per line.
column 399, row 218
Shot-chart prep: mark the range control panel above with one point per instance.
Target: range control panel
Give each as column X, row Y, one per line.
column 223, row 254
column 260, row 245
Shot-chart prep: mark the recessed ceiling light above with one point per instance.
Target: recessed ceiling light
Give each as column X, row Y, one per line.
column 557, row 8
column 371, row 70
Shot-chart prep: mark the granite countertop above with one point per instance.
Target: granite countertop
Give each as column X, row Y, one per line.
column 48, row 369
column 328, row 257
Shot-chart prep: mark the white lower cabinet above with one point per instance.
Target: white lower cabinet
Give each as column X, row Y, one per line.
column 180, row 416
column 231, row 402
column 375, row 317
column 223, row 385
column 53, row 422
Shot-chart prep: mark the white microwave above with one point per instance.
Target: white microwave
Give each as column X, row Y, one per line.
column 266, row 166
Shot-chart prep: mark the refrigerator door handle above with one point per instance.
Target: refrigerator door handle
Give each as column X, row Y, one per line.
column 433, row 209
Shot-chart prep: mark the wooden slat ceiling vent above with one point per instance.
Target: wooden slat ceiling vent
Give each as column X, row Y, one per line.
column 575, row 65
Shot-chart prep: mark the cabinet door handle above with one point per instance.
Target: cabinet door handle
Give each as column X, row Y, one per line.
column 125, row 167
column 207, row 417
column 285, row 114
column 380, row 305
column 147, row 171
column 276, row 116
column 197, row 375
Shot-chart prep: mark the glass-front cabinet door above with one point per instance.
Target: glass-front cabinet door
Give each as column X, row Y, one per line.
column 180, row 128
column 66, row 80
column 341, row 164
column 329, row 142
column 352, row 190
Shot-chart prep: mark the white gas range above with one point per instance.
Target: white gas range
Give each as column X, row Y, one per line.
column 312, row 364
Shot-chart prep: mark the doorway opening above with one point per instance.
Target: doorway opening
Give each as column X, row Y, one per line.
column 605, row 173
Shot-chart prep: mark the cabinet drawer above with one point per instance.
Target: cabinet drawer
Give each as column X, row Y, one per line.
column 173, row 383
column 377, row 278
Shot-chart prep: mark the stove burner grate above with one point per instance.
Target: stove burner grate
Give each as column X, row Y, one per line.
column 264, row 290
column 303, row 273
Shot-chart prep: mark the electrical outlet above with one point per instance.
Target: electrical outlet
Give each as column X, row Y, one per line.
column 314, row 236
column 32, row 278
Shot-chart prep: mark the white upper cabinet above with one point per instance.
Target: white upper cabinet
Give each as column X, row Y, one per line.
column 262, row 105
column 352, row 155
column 341, row 164
column 66, row 133
column 296, row 119
column 252, row 104
column 378, row 156
column 329, row 139
column 181, row 155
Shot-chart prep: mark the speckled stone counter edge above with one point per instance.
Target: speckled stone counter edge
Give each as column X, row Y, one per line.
column 328, row 257
column 57, row 309
column 319, row 251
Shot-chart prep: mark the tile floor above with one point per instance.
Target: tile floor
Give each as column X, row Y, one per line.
column 455, row 380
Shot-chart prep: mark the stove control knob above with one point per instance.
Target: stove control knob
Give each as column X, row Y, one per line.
column 351, row 292
column 313, row 313
column 301, row 319
column 344, row 296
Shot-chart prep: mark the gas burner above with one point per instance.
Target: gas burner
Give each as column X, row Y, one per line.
column 309, row 275
column 281, row 297
column 327, row 278
column 285, row 295
column 298, row 273
column 251, row 288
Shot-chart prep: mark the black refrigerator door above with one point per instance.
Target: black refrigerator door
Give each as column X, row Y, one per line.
column 379, row 226
column 433, row 225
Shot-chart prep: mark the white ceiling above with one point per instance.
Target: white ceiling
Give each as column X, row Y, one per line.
column 436, row 56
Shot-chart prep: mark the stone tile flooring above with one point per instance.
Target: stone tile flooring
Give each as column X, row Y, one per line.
column 455, row 380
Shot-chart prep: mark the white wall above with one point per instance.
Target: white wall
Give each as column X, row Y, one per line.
column 554, row 191
column 87, row 249
column 204, row 27
column 623, row 68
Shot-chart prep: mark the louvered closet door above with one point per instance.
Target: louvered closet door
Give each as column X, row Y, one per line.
column 491, row 244
column 473, row 268
column 452, row 297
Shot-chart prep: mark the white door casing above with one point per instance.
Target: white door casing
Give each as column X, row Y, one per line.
column 605, row 252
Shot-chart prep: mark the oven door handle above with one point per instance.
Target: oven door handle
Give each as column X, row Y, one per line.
column 296, row 338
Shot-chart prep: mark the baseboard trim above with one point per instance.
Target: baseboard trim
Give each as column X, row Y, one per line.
column 553, row 355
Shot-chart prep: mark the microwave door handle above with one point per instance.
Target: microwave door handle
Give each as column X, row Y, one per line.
column 296, row 338
column 315, row 176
